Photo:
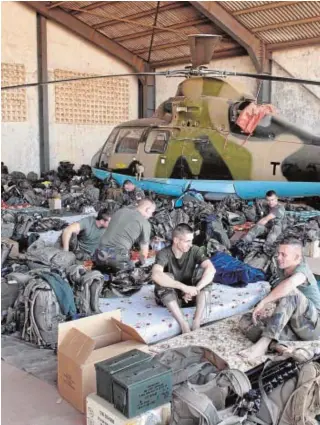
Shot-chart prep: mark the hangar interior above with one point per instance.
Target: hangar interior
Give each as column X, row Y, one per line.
column 120, row 142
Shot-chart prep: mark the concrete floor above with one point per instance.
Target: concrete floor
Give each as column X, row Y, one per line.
column 29, row 401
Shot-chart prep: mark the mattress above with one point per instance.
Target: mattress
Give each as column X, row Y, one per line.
column 155, row 323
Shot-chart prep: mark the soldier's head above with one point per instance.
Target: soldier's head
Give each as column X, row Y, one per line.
column 289, row 253
column 272, row 198
column 128, row 186
column 103, row 218
column 182, row 237
column 146, row 207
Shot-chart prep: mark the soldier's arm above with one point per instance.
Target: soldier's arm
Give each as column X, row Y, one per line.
column 208, row 274
column 67, row 233
column 266, row 219
column 162, row 279
column 284, row 288
column 144, row 250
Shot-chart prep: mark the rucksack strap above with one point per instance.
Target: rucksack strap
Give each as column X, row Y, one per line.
column 313, row 381
column 238, row 380
column 208, row 414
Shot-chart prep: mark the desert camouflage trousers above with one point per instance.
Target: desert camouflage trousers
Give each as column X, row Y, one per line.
column 294, row 318
column 259, row 229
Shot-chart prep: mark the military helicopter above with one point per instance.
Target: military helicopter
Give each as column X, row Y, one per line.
column 210, row 137
column 213, row 138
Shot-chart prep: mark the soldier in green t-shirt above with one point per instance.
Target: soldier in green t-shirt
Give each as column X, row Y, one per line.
column 83, row 237
column 177, row 280
column 297, row 312
column 273, row 223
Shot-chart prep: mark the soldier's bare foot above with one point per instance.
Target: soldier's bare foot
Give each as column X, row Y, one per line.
column 196, row 325
column 256, row 350
column 185, row 327
column 279, row 348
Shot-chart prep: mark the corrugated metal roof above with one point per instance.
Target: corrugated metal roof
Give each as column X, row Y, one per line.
column 232, row 6
column 298, row 32
column 271, row 21
column 277, row 22
column 279, row 16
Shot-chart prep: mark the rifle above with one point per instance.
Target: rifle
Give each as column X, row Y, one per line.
column 267, row 376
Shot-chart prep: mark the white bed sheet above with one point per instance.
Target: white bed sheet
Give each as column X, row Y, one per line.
column 155, row 323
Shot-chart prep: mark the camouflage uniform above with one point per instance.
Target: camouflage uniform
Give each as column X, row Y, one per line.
column 274, row 227
column 133, row 197
column 294, row 318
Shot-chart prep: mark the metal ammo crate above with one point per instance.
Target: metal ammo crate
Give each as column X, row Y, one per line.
column 107, row 368
column 141, row 388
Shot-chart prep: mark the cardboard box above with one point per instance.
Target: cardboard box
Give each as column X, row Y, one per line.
column 101, row 412
column 55, row 204
column 312, row 249
column 84, row 342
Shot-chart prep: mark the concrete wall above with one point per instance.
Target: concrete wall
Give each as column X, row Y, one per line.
column 66, row 51
column 20, row 140
column 299, row 104
column 78, row 143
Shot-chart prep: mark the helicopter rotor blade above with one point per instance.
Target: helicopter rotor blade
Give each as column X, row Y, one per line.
column 266, row 77
column 187, row 73
column 71, row 80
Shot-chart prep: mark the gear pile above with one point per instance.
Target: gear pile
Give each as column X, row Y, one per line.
column 216, row 225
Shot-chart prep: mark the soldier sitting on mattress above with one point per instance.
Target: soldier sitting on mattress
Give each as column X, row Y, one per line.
column 183, row 276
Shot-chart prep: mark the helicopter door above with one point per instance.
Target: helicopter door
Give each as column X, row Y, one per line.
column 152, row 153
column 125, row 148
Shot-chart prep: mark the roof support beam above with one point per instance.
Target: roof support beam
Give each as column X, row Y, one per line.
column 56, row 4
column 147, row 97
column 222, row 45
column 44, row 145
column 287, row 24
column 171, row 27
column 223, row 19
column 273, row 47
column 75, row 25
column 111, row 22
column 91, row 6
column 185, row 60
column 273, row 5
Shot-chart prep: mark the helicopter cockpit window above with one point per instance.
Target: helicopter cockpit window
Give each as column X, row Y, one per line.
column 157, row 141
column 128, row 140
column 107, row 148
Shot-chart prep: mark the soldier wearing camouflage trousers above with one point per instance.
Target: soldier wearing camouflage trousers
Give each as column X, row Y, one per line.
column 297, row 313
column 273, row 222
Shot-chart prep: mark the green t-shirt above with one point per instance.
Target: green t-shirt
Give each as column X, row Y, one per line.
column 181, row 268
column 126, row 227
column 310, row 287
column 90, row 235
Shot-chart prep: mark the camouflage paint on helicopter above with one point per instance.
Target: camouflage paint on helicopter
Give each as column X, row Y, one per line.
column 195, row 136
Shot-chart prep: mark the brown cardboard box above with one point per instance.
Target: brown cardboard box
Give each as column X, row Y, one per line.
column 84, row 342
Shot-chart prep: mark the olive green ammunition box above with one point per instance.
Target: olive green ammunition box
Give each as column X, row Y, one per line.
column 107, row 368
column 142, row 387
